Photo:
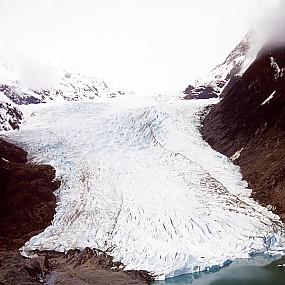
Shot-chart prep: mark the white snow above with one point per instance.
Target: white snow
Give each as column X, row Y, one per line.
column 5, row 159
column 236, row 155
column 269, row 98
column 137, row 178
column 279, row 72
column 63, row 86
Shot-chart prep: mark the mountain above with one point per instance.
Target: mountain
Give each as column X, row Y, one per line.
column 224, row 75
column 248, row 125
column 71, row 87
column 66, row 86
column 63, row 85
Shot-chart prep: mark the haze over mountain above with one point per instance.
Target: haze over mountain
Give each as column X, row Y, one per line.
column 146, row 46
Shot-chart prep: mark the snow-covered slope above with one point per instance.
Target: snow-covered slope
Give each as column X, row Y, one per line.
column 16, row 89
column 139, row 182
column 236, row 63
column 10, row 115
column 58, row 86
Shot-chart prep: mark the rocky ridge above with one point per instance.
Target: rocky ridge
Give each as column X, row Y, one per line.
column 226, row 74
column 62, row 86
column 248, row 126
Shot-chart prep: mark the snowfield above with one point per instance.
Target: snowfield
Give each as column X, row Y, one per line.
column 139, row 181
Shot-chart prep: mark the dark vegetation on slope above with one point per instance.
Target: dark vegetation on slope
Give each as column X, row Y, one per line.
column 244, row 121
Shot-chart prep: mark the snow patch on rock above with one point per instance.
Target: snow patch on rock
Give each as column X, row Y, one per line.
column 269, row 98
column 236, row 155
column 65, row 86
column 212, row 84
column 10, row 115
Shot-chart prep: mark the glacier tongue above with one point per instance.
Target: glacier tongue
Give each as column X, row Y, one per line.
column 139, row 181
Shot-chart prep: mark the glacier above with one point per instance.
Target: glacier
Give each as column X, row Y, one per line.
column 139, row 182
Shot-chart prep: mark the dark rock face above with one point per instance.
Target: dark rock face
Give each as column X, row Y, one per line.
column 27, row 200
column 12, row 269
column 189, row 89
column 251, row 119
column 91, row 266
column 84, row 267
column 202, row 92
column 234, row 79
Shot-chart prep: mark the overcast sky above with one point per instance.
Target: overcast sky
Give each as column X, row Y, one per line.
column 144, row 45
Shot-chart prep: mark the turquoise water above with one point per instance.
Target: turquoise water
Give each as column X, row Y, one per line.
column 258, row 271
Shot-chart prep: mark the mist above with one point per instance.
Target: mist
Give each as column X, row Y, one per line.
column 146, row 46
column 273, row 27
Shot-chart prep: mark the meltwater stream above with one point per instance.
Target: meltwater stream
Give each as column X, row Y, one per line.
column 139, row 182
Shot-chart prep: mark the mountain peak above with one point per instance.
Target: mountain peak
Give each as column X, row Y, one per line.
column 211, row 85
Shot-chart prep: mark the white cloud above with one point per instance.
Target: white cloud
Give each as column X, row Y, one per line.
column 36, row 75
column 145, row 45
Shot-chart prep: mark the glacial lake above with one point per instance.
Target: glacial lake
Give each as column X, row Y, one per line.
column 260, row 270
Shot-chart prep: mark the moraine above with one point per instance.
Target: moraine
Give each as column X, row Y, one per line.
column 138, row 180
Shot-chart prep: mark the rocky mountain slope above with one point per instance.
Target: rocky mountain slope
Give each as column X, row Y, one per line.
column 27, row 200
column 248, row 125
column 65, row 86
column 227, row 73
column 55, row 85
